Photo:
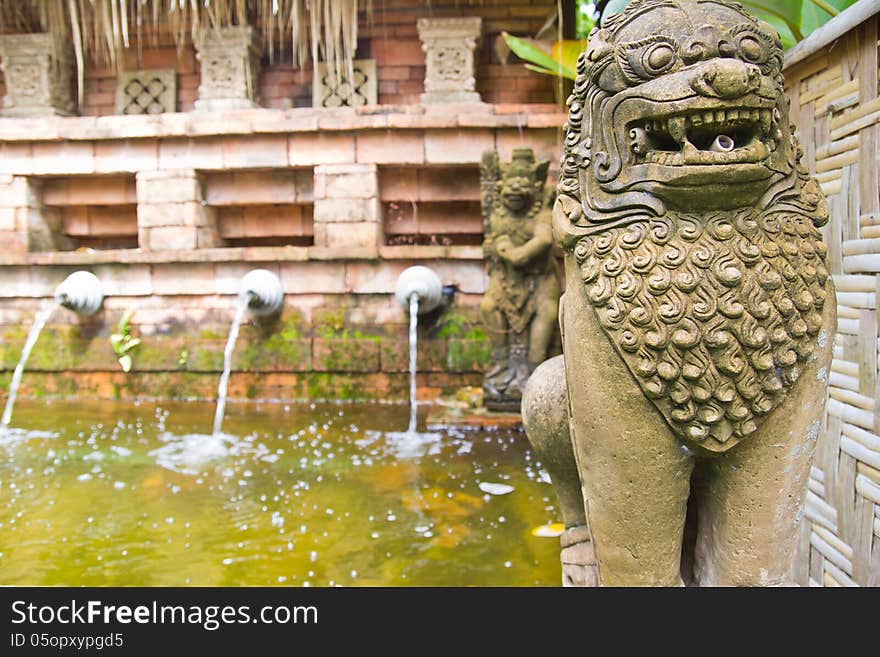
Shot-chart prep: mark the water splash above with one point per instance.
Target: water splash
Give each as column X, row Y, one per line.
column 40, row 320
column 413, row 360
column 227, row 362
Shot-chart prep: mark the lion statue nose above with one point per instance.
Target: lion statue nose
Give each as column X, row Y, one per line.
column 726, row 78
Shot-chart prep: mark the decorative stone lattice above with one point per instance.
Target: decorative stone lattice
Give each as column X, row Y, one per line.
column 342, row 92
column 449, row 59
column 146, row 92
column 230, row 68
column 38, row 78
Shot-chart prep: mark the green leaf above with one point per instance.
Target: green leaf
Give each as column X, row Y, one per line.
column 539, row 69
column 568, row 51
column 536, row 53
column 125, row 362
column 116, row 340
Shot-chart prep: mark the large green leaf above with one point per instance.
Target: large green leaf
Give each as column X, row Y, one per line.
column 793, row 19
column 538, row 53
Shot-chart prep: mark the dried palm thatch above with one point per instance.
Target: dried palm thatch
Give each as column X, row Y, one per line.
column 320, row 30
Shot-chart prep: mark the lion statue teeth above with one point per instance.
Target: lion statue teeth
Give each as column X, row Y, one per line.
column 699, row 312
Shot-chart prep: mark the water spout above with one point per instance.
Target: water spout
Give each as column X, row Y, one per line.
column 418, row 290
column 80, row 292
column 260, row 293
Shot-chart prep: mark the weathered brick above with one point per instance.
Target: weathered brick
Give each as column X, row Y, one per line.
column 126, row 155
column 306, row 149
column 64, row 157
column 171, row 187
column 7, row 219
column 457, row 146
column 391, row 146
column 170, row 238
column 16, row 158
column 373, row 277
column 346, row 181
column 176, row 279
column 347, row 210
column 255, row 151
column 172, row 214
column 313, row 277
column 204, row 153
column 362, row 234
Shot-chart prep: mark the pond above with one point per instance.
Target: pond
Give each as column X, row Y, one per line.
column 139, row 494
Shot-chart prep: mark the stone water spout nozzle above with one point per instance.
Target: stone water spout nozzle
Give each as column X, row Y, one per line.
column 262, row 292
column 423, row 282
column 722, row 144
column 80, row 292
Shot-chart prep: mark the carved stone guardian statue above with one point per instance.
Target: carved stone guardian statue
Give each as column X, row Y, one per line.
column 698, row 317
column 520, row 305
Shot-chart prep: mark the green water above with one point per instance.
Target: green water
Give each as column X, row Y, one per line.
column 138, row 494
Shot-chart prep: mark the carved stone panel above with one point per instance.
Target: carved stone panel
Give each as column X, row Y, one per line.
column 449, row 45
column 38, row 78
column 146, row 92
column 338, row 91
column 230, row 68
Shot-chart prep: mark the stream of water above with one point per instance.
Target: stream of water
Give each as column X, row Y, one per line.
column 40, row 320
column 413, row 361
column 227, row 364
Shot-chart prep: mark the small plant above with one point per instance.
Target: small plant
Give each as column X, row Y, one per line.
column 183, row 357
column 122, row 342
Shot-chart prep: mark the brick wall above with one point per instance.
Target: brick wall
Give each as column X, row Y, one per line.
column 389, row 37
column 394, row 43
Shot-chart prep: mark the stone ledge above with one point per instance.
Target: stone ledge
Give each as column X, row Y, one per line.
column 242, row 254
column 265, row 120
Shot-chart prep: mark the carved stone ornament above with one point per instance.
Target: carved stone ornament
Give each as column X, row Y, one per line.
column 699, row 314
column 39, row 80
column 520, row 305
column 230, row 68
column 146, row 92
column 449, row 59
column 332, row 91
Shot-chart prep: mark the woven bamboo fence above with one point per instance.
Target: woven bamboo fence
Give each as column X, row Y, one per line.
column 831, row 79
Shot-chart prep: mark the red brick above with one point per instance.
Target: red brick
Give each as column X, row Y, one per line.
column 204, row 153
column 397, row 52
column 387, row 146
column 319, row 148
column 126, row 155
column 100, row 190
column 394, row 72
column 254, row 151
column 457, row 146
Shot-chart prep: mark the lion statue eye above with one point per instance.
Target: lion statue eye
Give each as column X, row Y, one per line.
column 647, row 58
column 752, row 45
column 658, row 57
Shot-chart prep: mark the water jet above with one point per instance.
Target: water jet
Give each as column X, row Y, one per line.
column 80, row 292
column 260, row 292
column 418, row 291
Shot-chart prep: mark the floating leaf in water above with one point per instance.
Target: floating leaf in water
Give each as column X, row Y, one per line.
column 549, row 531
column 495, row 489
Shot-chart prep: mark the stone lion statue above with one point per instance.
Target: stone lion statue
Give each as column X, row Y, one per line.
column 698, row 317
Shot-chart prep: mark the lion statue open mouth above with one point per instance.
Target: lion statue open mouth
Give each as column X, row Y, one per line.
column 695, row 269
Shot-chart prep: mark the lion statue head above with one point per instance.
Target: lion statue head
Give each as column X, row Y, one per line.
column 689, row 216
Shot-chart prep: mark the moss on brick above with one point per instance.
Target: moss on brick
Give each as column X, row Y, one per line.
column 468, row 355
